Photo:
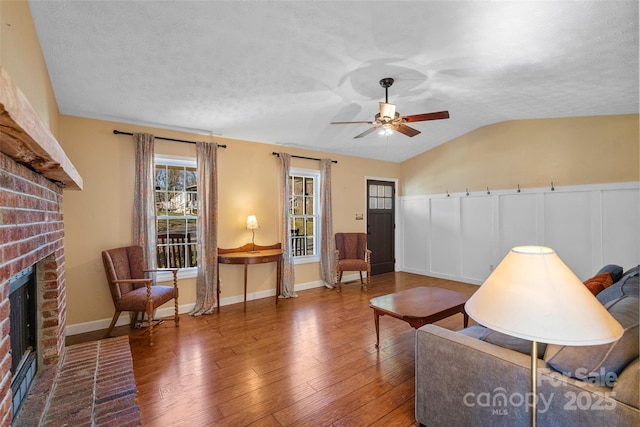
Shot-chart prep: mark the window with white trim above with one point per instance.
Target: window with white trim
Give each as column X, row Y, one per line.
column 304, row 214
column 176, row 182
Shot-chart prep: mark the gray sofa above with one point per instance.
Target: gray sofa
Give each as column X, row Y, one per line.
column 478, row 377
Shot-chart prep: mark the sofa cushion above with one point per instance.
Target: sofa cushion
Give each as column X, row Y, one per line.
column 598, row 283
column 627, row 386
column 627, row 285
column 614, row 270
column 520, row 345
column 601, row 362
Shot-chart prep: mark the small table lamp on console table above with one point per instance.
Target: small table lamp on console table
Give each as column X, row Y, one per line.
column 252, row 224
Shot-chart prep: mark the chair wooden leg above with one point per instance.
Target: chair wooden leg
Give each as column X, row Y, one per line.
column 176, row 317
column 368, row 285
column 113, row 323
column 150, row 322
column 339, row 280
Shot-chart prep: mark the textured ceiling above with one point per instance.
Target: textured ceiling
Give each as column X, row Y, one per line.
column 278, row 72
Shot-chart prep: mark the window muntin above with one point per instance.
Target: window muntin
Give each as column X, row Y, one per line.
column 304, row 220
column 380, row 197
column 176, row 213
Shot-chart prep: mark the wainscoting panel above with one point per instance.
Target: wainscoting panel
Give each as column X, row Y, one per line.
column 414, row 214
column 620, row 223
column 468, row 235
column 518, row 221
column 476, row 232
column 567, row 230
column 444, row 242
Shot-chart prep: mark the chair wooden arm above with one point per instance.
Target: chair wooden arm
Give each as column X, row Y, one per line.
column 132, row 281
column 172, row 270
column 367, row 256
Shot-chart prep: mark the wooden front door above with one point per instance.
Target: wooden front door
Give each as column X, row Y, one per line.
column 381, row 225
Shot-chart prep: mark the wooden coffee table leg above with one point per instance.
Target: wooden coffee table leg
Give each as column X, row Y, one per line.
column 376, row 319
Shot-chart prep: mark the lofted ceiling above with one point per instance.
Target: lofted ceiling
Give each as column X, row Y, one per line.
column 280, row 71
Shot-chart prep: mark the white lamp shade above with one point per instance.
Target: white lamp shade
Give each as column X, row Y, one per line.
column 252, row 222
column 533, row 295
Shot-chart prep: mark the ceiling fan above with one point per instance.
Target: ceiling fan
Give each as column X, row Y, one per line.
column 388, row 119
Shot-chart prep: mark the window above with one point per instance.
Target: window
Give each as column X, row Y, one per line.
column 304, row 210
column 380, row 196
column 176, row 212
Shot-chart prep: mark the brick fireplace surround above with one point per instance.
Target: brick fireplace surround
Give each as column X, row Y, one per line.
column 33, row 172
column 32, row 233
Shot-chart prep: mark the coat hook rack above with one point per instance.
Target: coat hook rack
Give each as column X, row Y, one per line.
column 552, row 187
column 488, row 192
column 467, row 190
column 518, row 188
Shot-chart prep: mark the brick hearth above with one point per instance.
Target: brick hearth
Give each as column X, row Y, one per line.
column 94, row 387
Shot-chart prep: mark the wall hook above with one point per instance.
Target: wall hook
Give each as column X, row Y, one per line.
column 488, row 192
column 518, row 188
column 467, row 190
column 552, row 187
column 447, row 193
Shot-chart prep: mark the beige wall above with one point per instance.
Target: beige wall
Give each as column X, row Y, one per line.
column 100, row 217
column 21, row 56
column 532, row 153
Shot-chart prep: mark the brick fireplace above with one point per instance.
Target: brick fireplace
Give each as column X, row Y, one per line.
column 33, row 172
column 31, row 234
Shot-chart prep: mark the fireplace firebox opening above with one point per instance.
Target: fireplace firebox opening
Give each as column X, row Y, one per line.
column 24, row 357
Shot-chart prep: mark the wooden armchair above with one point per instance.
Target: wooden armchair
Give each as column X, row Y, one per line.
column 352, row 255
column 131, row 290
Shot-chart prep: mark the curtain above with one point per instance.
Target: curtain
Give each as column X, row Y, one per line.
column 207, row 229
column 288, row 278
column 327, row 243
column 144, row 210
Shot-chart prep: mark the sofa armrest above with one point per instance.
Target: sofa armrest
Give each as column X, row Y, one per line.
column 464, row 381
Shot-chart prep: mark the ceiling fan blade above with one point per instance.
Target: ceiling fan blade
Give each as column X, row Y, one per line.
column 366, row 132
column 387, row 110
column 427, row 116
column 348, row 123
column 404, row 129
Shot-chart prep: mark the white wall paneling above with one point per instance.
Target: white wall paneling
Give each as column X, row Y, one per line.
column 476, row 235
column 620, row 222
column 444, row 232
column 414, row 234
column 463, row 237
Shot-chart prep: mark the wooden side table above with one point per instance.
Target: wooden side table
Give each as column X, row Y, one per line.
column 247, row 255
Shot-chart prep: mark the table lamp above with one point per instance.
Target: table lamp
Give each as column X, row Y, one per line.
column 252, row 224
column 533, row 295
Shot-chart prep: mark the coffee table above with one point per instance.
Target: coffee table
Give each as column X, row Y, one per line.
column 418, row 306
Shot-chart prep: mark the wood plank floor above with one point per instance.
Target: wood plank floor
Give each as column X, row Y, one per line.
column 309, row 361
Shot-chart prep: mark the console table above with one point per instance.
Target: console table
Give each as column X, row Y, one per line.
column 250, row 254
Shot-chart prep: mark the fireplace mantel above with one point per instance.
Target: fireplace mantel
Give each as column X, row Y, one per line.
column 26, row 139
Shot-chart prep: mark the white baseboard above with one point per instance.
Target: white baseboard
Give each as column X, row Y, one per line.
column 96, row 325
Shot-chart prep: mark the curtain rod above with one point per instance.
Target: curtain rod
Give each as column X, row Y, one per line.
column 117, row 132
column 303, row 157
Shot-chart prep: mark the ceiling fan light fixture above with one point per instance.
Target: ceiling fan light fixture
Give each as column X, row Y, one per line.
column 389, row 120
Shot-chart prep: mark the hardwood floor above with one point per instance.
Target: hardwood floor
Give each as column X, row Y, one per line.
column 309, row 361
